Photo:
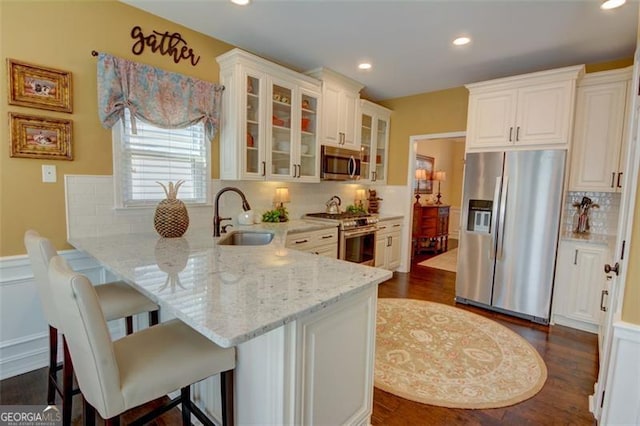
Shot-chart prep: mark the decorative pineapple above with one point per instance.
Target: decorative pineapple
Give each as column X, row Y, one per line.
column 171, row 219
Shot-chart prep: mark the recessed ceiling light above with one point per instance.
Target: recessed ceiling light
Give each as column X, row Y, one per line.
column 612, row 4
column 240, row 2
column 364, row 66
column 461, row 41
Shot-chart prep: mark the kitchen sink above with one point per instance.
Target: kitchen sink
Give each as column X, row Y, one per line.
column 246, row 238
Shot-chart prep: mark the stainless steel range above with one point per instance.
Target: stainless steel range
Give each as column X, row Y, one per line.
column 356, row 235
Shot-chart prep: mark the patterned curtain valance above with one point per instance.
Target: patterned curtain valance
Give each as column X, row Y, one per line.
column 162, row 98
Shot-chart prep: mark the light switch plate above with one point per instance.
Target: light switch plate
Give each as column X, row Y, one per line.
column 49, row 174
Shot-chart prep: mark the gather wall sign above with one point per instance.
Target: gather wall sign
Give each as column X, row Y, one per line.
column 168, row 44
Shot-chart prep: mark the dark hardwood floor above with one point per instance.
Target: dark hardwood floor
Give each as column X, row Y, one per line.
column 570, row 356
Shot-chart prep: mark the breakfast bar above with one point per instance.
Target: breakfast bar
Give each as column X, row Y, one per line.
column 303, row 325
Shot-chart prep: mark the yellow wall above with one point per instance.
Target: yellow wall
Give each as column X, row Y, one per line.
column 62, row 35
column 436, row 112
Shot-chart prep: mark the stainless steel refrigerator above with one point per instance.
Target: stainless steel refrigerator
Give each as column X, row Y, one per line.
column 510, row 221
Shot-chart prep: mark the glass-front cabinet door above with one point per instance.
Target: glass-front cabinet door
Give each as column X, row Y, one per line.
column 374, row 141
column 280, row 155
column 307, row 167
column 253, row 161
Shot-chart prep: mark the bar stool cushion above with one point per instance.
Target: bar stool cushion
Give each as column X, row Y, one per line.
column 119, row 300
column 116, row 376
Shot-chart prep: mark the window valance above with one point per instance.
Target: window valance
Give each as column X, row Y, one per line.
column 159, row 97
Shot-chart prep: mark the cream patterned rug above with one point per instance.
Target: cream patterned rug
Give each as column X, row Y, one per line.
column 447, row 261
column 441, row 355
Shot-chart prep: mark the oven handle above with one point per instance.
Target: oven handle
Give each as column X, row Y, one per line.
column 356, row 233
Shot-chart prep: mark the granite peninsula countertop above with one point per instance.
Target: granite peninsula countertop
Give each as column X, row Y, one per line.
column 230, row 294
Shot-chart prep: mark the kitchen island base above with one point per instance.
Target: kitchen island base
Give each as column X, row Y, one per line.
column 317, row 369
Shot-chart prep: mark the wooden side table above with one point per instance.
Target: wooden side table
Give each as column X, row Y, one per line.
column 430, row 227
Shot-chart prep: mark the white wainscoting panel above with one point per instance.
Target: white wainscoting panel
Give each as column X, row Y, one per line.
column 622, row 395
column 24, row 333
column 454, row 222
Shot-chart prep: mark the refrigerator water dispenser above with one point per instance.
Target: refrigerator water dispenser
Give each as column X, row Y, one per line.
column 479, row 217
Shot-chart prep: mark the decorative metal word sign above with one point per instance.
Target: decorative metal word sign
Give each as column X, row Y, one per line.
column 168, row 44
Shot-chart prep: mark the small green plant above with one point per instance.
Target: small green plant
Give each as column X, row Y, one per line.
column 355, row 209
column 276, row 215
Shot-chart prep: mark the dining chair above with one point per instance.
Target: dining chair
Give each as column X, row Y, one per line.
column 117, row 299
column 115, row 376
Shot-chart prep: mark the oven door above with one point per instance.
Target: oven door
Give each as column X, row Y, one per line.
column 359, row 246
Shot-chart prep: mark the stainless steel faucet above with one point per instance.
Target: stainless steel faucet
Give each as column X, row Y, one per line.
column 216, row 213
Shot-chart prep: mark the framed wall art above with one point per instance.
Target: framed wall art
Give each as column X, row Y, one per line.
column 39, row 87
column 424, row 186
column 40, row 137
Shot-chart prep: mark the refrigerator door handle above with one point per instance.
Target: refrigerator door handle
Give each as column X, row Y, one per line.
column 494, row 216
column 501, row 220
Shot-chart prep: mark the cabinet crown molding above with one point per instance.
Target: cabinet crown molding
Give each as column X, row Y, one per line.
column 327, row 74
column 368, row 104
column 603, row 77
column 567, row 73
column 239, row 56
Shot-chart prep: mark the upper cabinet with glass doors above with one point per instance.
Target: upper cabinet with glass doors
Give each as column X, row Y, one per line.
column 269, row 121
column 374, row 141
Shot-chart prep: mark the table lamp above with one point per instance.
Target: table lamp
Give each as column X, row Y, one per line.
column 421, row 174
column 282, row 196
column 440, row 176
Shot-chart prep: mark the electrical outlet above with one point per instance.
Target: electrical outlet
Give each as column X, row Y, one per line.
column 49, row 174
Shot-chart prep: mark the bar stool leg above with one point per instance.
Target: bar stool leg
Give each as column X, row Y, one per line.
column 226, row 385
column 88, row 413
column 185, row 396
column 67, row 385
column 129, row 321
column 153, row 318
column 53, row 365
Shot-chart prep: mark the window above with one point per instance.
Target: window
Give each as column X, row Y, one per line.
column 159, row 155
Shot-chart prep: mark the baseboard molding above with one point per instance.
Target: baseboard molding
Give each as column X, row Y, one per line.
column 24, row 333
column 578, row 325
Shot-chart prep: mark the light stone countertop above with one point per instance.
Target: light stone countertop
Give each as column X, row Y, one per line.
column 230, row 294
column 600, row 239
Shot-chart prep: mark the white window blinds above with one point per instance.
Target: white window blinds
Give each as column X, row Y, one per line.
column 156, row 155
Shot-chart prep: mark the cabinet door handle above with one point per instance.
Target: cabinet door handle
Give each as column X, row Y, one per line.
column 517, row 133
column 389, row 241
column 619, row 176
column 301, row 241
column 613, row 178
column 602, row 295
column 264, row 168
column 324, row 237
column 396, row 225
column 575, row 257
column 510, row 133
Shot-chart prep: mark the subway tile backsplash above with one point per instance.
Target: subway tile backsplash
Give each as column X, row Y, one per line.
column 90, row 201
column 603, row 220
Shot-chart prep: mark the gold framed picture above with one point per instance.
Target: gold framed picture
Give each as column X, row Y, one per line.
column 39, row 87
column 40, row 137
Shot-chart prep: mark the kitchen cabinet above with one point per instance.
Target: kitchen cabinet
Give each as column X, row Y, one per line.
column 388, row 244
column 602, row 103
column 531, row 111
column 340, row 108
column 322, row 242
column 580, row 296
column 374, row 141
column 430, row 228
column 269, row 121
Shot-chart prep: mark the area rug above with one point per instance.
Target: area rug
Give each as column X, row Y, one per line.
column 447, row 261
column 441, row 355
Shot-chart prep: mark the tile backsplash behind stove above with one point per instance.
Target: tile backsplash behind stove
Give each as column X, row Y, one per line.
column 602, row 220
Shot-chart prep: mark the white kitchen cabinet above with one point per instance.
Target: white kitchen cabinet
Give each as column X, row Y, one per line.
column 579, row 284
column 374, row 141
column 531, row 111
column 388, row 244
column 597, row 163
column 269, row 121
column 340, row 108
column 322, row 242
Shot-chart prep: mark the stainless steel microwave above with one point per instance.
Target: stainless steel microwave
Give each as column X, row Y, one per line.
column 339, row 163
